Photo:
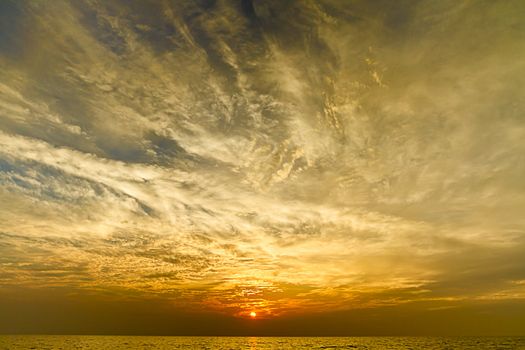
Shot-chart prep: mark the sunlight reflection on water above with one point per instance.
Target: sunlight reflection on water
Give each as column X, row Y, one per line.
column 16, row 342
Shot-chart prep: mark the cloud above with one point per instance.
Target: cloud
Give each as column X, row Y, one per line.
column 274, row 155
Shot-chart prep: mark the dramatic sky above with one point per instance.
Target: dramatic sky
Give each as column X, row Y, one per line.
column 349, row 167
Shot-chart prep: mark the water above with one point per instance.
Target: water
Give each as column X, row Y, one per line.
column 55, row 342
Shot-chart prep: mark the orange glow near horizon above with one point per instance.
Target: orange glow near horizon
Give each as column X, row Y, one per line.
column 253, row 314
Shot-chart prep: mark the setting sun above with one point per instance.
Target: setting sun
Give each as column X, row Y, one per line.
column 253, row 314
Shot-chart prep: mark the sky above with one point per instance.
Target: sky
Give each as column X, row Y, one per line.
column 338, row 167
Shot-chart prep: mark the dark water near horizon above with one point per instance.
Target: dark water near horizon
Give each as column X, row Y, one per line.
column 67, row 342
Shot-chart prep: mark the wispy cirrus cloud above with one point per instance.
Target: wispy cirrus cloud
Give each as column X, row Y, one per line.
column 281, row 156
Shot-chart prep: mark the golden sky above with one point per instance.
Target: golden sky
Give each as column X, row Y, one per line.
column 334, row 166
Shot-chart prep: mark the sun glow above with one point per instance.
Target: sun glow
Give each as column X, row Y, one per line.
column 253, row 314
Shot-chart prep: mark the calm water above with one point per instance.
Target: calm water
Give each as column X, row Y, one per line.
column 125, row 342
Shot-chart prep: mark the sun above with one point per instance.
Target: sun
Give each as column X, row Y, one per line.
column 253, row 314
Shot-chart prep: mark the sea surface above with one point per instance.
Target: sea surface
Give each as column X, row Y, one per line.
column 16, row 342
